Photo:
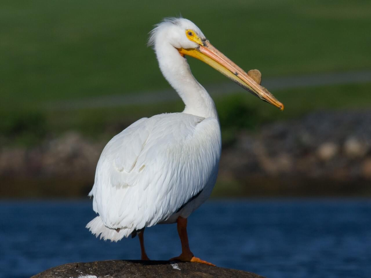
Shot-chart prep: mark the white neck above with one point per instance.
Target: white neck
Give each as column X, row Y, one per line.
column 177, row 72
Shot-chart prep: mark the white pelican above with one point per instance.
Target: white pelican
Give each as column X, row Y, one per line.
column 160, row 169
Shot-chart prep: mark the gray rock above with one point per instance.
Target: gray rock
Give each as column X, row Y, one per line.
column 355, row 148
column 327, row 151
column 125, row 269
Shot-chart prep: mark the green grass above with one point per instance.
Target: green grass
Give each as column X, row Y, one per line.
column 66, row 50
column 54, row 50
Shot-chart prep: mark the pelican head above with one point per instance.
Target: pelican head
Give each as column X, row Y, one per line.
column 184, row 36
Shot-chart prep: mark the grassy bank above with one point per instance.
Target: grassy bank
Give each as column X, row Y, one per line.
column 68, row 50
column 71, row 49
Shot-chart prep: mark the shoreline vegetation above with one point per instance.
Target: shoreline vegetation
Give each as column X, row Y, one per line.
column 322, row 154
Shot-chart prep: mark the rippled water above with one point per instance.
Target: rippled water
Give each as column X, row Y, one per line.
column 275, row 239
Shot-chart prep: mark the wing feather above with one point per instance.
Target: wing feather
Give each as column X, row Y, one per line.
column 154, row 167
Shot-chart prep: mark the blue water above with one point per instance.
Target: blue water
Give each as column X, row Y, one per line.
column 272, row 238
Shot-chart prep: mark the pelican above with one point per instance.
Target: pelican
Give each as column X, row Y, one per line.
column 160, row 169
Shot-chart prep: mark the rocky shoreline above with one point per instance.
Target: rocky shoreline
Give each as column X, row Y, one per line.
column 322, row 146
column 329, row 145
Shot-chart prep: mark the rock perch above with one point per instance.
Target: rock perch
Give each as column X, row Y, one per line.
column 125, row 269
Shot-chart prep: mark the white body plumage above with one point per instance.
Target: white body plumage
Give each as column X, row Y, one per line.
column 165, row 166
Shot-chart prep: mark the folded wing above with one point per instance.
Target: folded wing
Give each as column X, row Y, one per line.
column 151, row 169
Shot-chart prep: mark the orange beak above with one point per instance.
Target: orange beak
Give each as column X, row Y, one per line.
column 214, row 58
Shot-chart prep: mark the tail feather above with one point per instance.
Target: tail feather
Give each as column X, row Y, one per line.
column 97, row 228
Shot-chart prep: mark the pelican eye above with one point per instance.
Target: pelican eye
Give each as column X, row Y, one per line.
column 192, row 36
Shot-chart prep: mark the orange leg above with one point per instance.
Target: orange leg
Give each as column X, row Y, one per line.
column 187, row 255
column 144, row 256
